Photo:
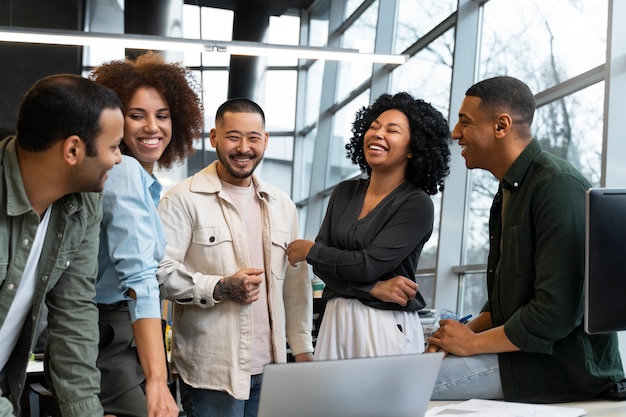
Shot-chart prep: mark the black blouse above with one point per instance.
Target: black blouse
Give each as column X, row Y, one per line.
column 351, row 255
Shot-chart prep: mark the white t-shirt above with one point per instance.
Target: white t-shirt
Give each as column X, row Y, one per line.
column 23, row 301
column 249, row 207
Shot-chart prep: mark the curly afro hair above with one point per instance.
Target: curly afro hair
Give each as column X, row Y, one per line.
column 174, row 83
column 430, row 139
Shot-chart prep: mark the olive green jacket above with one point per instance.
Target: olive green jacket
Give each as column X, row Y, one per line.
column 66, row 277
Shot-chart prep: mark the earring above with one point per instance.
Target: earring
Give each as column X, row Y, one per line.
column 409, row 155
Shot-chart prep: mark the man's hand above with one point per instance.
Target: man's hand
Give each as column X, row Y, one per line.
column 242, row 287
column 453, row 337
column 398, row 289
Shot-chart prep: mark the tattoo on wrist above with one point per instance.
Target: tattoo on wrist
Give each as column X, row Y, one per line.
column 218, row 291
column 235, row 289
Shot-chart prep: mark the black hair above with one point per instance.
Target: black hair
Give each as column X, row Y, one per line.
column 430, row 139
column 174, row 82
column 59, row 106
column 504, row 93
column 239, row 105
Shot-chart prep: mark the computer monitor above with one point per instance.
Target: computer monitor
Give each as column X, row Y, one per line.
column 605, row 260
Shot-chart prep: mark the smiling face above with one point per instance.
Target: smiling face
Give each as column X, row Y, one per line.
column 475, row 132
column 93, row 170
column 147, row 126
column 387, row 142
column 240, row 141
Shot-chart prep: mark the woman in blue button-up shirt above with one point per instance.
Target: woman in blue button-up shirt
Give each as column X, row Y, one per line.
column 162, row 117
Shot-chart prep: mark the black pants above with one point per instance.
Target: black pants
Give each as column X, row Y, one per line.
column 122, row 377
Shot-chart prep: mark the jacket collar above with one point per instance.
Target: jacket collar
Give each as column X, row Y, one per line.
column 514, row 177
column 207, row 181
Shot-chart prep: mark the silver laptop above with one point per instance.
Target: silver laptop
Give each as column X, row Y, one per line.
column 389, row 386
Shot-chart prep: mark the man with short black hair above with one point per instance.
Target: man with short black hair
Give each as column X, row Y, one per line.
column 528, row 343
column 68, row 135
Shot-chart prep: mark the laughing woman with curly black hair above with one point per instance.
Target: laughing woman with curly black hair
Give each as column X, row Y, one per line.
column 369, row 244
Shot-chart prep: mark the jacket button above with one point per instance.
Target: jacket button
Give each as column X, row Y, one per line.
column 212, row 239
column 203, row 301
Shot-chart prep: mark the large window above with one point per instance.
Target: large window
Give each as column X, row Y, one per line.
column 558, row 47
column 545, row 45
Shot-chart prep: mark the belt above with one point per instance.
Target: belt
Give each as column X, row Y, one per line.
column 113, row 306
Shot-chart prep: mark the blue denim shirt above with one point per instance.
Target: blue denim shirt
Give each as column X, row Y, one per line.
column 132, row 241
column 66, row 276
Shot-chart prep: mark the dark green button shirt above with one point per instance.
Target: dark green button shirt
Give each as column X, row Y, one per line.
column 535, row 285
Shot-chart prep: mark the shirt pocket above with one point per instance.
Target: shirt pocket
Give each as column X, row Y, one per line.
column 211, row 236
column 280, row 240
column 212, row 250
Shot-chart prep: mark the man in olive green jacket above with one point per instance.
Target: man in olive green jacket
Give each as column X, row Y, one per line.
column 68, row 135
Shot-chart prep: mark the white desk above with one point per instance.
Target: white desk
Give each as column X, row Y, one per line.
column 594, row 408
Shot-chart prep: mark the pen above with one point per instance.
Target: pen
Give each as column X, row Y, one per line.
column 465, row 319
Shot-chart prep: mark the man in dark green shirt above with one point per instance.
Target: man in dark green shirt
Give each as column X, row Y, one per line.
column 528, row 342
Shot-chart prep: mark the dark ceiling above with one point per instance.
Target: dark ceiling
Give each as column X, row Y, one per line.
column 274, row 7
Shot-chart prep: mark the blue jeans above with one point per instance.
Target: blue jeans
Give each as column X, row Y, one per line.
column 207, row 403
column 464, row 378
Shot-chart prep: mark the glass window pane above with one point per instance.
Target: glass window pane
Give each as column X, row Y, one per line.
column 215, row 85
column 313, row 88
column 361, row 36
column 283, row 30
column 279, row 100
column 416, row 18
column 571, row 128
column 483, row 186
column 546, row 43
column 428, row 73
column 473, row 293
column 306, row 167
column 350, row 7
column 340, row 167
column 427, row 284
column 428, row 257
column 318, row 30
column 276, row 165
column 217, row 24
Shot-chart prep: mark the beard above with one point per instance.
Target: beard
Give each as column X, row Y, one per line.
column 232, row 170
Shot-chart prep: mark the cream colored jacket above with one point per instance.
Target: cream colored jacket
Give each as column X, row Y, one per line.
column 212, row 340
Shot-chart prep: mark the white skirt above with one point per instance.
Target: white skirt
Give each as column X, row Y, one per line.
column 350, row 329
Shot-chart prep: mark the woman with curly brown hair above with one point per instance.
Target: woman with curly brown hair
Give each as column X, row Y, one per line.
column 163, row 115
column 369, row 243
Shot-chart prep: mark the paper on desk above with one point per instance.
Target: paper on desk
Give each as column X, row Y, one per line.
column 487, row 408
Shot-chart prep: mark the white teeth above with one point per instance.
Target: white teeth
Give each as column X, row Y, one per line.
column 376, row 148
column 150, row 141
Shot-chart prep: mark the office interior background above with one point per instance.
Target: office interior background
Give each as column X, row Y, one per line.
column 572, row 54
